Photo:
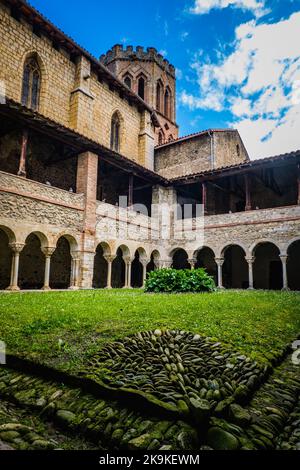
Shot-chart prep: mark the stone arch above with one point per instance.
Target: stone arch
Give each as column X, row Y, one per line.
column 32, row 262
column 293, row 265
column 61, row 262
column 235, row 267
column 267, row 267
column 101, row 265
column 180, row 259
column 6, row 237
column 205, row 258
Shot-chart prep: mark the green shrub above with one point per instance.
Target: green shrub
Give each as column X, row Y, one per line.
column 183, row 280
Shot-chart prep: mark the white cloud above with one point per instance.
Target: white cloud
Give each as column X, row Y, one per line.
column 184, row 35
column 259, row 83
column 257, row 7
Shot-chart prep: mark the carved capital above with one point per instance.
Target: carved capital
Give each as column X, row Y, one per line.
column 219, row 261
column 75, row 255
column 48, row 251
column 127, row 260
column 250, row 260
column 109, row 258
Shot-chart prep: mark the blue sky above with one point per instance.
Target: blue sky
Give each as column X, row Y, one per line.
column 238, row 61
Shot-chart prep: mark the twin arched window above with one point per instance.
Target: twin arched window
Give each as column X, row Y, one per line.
column 115, row 133
column 31, row 84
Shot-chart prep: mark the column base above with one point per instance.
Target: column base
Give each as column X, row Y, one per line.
column 73, row 288
column 221, row 287
column 13, row 289
column 250, row 288
column 108, row 288
column 285, row 289
column 46, row 288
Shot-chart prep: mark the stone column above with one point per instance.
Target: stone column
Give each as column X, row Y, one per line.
column 250, row 262
column 75, row 271
column 109, row 259
column 284, row 272
column 48, row 252
column 16, row 249
column 220, row 262
column 127, row 261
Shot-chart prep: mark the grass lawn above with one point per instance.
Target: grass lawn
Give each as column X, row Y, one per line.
column 63, row 329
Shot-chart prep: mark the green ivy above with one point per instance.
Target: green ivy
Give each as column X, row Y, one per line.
column 179, row 280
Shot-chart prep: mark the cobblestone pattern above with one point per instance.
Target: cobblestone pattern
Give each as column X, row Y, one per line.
column 106, row 423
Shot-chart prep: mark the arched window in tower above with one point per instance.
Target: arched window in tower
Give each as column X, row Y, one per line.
column 115, row 133
column 127, row 81
column 171, row 138
column 167, row 104
column 158, row 96
column 31, row 84
column 141, row 87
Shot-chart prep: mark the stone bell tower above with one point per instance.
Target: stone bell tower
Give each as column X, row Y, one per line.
column 152, row 77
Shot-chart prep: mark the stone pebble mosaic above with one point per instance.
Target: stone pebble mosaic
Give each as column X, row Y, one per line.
column 226, row 401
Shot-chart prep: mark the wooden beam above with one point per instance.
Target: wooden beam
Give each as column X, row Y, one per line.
column 248, row 205
column 130, row 190
column 22, row 162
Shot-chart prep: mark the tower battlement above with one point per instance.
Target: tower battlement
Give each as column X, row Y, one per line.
column 119, row 52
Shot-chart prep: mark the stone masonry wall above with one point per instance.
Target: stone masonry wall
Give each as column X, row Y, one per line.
column 89, row 111
column 183, row 158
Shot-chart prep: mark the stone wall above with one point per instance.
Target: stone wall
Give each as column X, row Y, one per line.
column 86, row 105
column 201, row 152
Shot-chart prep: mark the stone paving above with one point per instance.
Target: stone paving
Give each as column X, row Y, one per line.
column 253, row 411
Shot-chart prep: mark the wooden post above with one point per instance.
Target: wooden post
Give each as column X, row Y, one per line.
column 298, row 183
column 248, row 206
column 130, row 191
column 22, row 163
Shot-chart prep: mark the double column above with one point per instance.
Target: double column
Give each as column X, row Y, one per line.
column 127, row 261
column 48, row 252
column 75, row 271
column 14, row 273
